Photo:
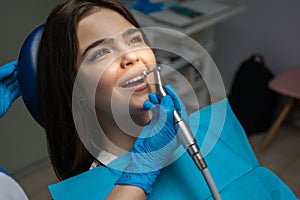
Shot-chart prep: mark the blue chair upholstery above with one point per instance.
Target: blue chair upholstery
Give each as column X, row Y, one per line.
column 27, row 74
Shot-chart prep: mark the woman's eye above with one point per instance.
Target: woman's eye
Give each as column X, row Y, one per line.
column 136, row 40
column 99, row 54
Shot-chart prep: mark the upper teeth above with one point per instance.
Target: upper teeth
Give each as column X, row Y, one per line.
column 135, row 79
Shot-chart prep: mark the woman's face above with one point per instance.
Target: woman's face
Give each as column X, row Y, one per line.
column 112, row 52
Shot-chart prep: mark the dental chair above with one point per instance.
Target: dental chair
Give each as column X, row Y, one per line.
column 28, row 74
column 231, row 161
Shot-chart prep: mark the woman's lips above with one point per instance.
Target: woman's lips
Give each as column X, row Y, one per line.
column 138, row 87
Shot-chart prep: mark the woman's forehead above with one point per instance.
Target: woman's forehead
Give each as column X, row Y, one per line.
column 101, row 24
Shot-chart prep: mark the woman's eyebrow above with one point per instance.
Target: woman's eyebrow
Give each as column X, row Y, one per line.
column 95, row 44
column 130, row 32
column 108, row 40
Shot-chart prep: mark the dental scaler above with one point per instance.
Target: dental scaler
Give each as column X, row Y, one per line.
column 187, row 138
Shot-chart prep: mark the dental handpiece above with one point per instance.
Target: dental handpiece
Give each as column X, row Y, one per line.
column 187, row 139
column 185, row 135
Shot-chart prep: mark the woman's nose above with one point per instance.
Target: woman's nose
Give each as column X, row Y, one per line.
column 129, row 59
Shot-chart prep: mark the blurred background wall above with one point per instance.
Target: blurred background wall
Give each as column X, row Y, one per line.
column 268, row 27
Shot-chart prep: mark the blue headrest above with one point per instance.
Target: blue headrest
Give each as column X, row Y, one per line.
column 28, row 74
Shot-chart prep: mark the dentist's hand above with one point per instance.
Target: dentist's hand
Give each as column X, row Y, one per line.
column 9, row 86
column 153, row 147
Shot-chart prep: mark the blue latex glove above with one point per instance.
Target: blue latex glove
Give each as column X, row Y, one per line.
column 9, row 86
column 156, row 143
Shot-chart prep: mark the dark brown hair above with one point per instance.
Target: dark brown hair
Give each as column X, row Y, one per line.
column 57, row 73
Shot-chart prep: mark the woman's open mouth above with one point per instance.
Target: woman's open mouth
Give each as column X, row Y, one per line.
column 135, row 80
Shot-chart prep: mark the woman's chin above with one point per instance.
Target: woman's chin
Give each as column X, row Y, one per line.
column 137, row 103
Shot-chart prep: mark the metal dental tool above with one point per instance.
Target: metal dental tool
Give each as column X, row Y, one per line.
column 187, row 138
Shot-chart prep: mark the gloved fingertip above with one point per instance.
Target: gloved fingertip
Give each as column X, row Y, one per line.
column 168, row 87
column 7, row 70
column 12, row 65
column 147, row 105
column 171, row 91
column 153, row 97
column 151, row 94
column 14, row 62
